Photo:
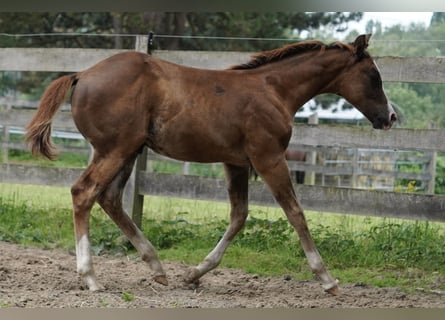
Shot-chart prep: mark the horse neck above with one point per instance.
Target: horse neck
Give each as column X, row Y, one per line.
column 300, row 78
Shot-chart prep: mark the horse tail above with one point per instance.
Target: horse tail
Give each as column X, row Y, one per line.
column 38, row 135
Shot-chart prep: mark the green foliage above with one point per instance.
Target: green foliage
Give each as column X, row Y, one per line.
column 23, row 224
column 196, row 169
column 379, row 251
column 66, row 159
column 417, row 111
column 127, row 297
column 263, row 235
column 407, row 245
column 165, row 234
column 211, row 24
column 439, row 186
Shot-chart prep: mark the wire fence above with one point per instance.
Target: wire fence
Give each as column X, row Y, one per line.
column 170, row 36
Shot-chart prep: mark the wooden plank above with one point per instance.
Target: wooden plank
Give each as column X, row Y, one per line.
column 349, row 170
column 412, row 69
column 400, row 69
column 302, row 135
column 367, row 137
column 76, row 59
column 204, row 59
column 51, row 59
column 325, row 199
column 192, row 187
column 36, row 175
column 21, row 118
column 373, row 203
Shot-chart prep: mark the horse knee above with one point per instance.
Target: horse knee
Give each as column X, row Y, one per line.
column 76, row 190
column 109, row 199
column 82, row 200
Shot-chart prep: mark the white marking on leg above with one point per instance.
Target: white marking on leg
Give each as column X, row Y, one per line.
column 214, row 257
column 314, row 260
column 316, row 264
column 83, row 255
column 85, row 263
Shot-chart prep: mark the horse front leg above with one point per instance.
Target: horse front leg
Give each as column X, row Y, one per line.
column 237, row 184
column 278, row 179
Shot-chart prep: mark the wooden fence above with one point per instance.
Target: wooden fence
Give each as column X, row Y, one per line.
column 336, row 166
column 331, row 199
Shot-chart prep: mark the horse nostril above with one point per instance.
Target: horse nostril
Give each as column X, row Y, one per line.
column 393, row 117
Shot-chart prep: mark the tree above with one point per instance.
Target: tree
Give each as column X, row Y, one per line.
column 217, row 24
column 437, row 18
column 45, row 26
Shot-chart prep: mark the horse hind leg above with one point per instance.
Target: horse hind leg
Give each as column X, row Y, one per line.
column 94, row 180
column 237, row 180
column 84, row 193
column 111, row 201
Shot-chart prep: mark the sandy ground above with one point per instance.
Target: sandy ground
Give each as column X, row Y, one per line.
column 32, row 277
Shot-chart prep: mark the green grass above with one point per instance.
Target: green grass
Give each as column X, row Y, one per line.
column 379, row 252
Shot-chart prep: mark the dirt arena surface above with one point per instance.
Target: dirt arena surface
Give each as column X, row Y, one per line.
column 32, row 277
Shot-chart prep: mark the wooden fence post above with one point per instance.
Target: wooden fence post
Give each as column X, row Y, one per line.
column 133, row 201
column 312, row 155
column 431, row 184
column 5, row 140
column 432, row 171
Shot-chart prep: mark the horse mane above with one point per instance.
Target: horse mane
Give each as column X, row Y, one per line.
column 289, row 50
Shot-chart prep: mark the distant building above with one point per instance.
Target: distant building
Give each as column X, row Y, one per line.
column 340, row 111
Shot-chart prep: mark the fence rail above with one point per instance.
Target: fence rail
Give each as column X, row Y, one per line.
column 396, row 69
column 342, row 200
column 324, row 199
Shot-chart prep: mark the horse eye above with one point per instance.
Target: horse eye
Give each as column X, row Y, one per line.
column 375, row 78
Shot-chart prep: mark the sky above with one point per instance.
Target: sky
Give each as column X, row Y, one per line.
column 388, row 19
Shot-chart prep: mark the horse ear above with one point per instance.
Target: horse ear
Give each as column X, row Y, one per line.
column 361, row 43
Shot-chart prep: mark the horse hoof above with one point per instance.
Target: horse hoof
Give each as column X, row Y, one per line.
column 95, row 287
column 98, row 289
column 92, row 284
column 191, row 285
column 162, row 279
column 192, row 276
column 335, row 291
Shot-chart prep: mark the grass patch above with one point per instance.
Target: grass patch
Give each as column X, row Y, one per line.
column 27, row 225
column 127, row 297
column 375, row 251
column 65, row 159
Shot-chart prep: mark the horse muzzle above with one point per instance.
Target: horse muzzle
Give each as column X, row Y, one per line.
column 385, row 123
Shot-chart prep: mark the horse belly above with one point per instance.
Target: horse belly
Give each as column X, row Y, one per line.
column 195, row 144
